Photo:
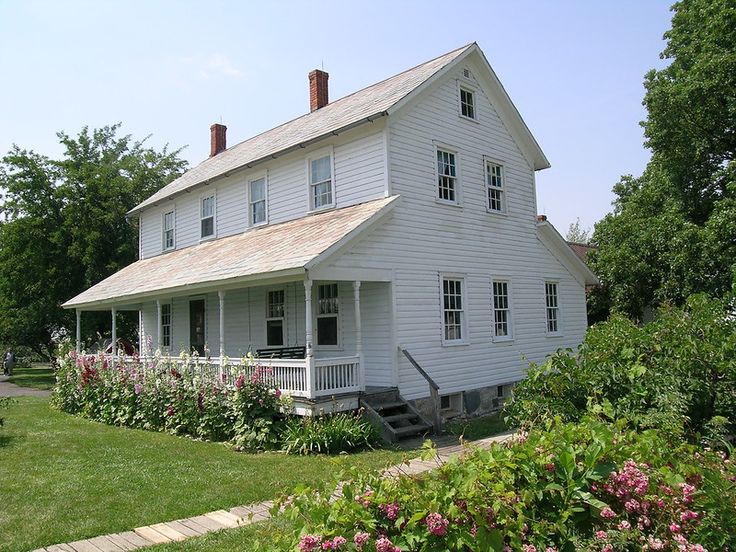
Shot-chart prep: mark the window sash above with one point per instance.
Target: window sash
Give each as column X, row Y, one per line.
column 166, row 325
column 168, row 230
column 552, row 307
column 501, row 310
column 258, row 201
column 328, row 307
column 494, row 186
column 446, row 176
column 207, row 217
column 467, row 103
column 320, row 181
column 452, row 309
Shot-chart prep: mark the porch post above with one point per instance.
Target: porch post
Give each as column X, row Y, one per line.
column 358, row 334
column 221, row 295
column 141, row 335
column 114, row 333
column 158, row 324
column 309, row 380
column 79, row 331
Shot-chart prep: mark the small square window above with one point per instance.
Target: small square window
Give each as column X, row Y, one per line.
column 467, row 103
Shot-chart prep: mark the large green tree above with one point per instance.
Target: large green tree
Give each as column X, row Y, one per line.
column 672, row 231
column 64, row 227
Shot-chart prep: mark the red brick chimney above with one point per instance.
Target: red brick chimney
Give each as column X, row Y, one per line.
column 541, row 218
column 218, row 142
column 318, row 90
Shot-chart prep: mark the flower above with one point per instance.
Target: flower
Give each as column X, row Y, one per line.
column 385, row 545
column 308, row 543
column 437, row 524
column 528, row 548
column 607, row 548
column 624, row 526
column 391, row 511
column 334, row 544
column 601, row 535
column 675, row 528
column 607, row 513
column 360, row 539
column 137, row 388
column 655, row 544
column 688, row 515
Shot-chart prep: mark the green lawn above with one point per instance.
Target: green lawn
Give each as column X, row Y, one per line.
column 39, row 376
column 63, row 478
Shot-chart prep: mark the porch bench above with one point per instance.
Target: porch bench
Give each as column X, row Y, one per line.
column 282, row 352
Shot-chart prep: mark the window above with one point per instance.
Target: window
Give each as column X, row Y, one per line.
column 327, row 313
column 257, row 198
column 452, row 310
column 275, row 318
column 553, row 309
column 494, row 187
column 501, row 311
column 166, row 325
column 446, row 176
column 467, row 103
column 168, row 230
column 207, row 217
column 320, row 182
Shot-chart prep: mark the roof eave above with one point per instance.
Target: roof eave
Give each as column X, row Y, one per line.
column 555, row 239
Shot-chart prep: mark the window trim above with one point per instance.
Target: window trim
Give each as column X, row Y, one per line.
column 318, row 154
column 558, row 332
column 510, row 310
column 202, row 197
column 248, row 197
column 463, row 312
column 284, row 339
column 504, row 207
column 171, row 325
column 317, row 316
column 173, row 229
column 439, row 146
column 465, row 87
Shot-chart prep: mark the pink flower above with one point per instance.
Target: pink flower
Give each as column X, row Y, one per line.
column 391, row 511
column 360, row 539
column 607, row 513
column 550, row 467
column 364, row 500
column 631, row 505
column 550, row 549
column 334, row 544
column 308, row 543
column 643, row 523
column 688, row 515
column 624, row 526
column 385, row 545
column 437, row 524
column 528, row 548
column 655, row 544
column 607, row 548
column 601, row 535
column 240, row 381
column 277, row 393
column 674, row 528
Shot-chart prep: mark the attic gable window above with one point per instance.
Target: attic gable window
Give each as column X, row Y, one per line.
column 446, row 176
column 467, row 103
column 320, row 182
column 257, row 199
column 207, row 217
column 495, row 187
column 168, row 230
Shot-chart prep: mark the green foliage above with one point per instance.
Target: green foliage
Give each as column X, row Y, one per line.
column 565, row 487
column 4, row 403
column 577, row 233
column 329, row 434
column 677, row 373
column 671, row 233
column 65, row 228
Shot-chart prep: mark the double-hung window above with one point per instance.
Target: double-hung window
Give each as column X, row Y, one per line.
column 275, row 318
column 447, row 176
column 166, row 325
column 452, row 310
column 257, row 200
column 168, row 230
column 495, row 188
column 501, row 311
column 467, row 103
column 320, row 182
column 553, row 307
column 328, row 306
column 207, row 217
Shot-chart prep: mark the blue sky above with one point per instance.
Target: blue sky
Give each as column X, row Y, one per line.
column 171, row 69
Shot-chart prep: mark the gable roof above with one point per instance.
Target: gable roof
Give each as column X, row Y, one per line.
column 288, row 248
column 581, row 250
column 363, row 106
column 559, row 247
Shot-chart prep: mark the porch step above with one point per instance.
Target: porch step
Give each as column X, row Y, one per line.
column 396, row 417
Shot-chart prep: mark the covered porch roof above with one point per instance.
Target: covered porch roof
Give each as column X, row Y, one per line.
column 287, row 249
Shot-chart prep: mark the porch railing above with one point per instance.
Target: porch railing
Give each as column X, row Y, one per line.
column 330, row 376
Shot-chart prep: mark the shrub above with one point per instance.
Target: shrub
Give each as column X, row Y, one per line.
column 329, row 434
column 183, row 398
column 677, row 373
column 585, row 486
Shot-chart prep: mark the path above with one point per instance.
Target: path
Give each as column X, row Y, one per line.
column 8, row 389
column 239, row 516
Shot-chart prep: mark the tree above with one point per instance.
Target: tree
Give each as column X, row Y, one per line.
column 578, row 234
column 671, row 232
column 65, row 229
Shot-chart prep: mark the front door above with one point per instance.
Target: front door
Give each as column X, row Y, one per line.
column 196, row 325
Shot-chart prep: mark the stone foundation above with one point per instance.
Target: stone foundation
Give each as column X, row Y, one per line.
column 471, row 403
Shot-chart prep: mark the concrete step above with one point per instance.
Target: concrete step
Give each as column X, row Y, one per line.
column 400, row 417
column 409, row 431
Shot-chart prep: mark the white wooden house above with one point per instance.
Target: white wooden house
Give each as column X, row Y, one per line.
column 402, row 216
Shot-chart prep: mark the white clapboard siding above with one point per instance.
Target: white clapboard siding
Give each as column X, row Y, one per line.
column 359, row 162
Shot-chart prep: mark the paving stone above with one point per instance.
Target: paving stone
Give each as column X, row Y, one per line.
column 224, row 518
column 121, row 542
column 84, row 546
column 194, row 526
column 152, row 535
column 167, row 531
column 208, row 522
column 183, row 529
column 134, row 539
column 106, row 545
column 59, row 548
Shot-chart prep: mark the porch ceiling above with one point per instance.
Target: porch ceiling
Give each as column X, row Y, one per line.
column 284, row 249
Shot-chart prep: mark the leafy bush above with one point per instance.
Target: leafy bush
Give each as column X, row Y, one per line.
column 183, row 398
column 585, row 486
column 677, row 373
column 329, row 434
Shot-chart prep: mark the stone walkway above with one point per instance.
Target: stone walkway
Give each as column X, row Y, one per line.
column 239, row 516
column 8, row 389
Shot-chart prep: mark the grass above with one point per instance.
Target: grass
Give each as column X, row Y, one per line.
column 65, row 478
column 479, row 428
column 38, row 375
